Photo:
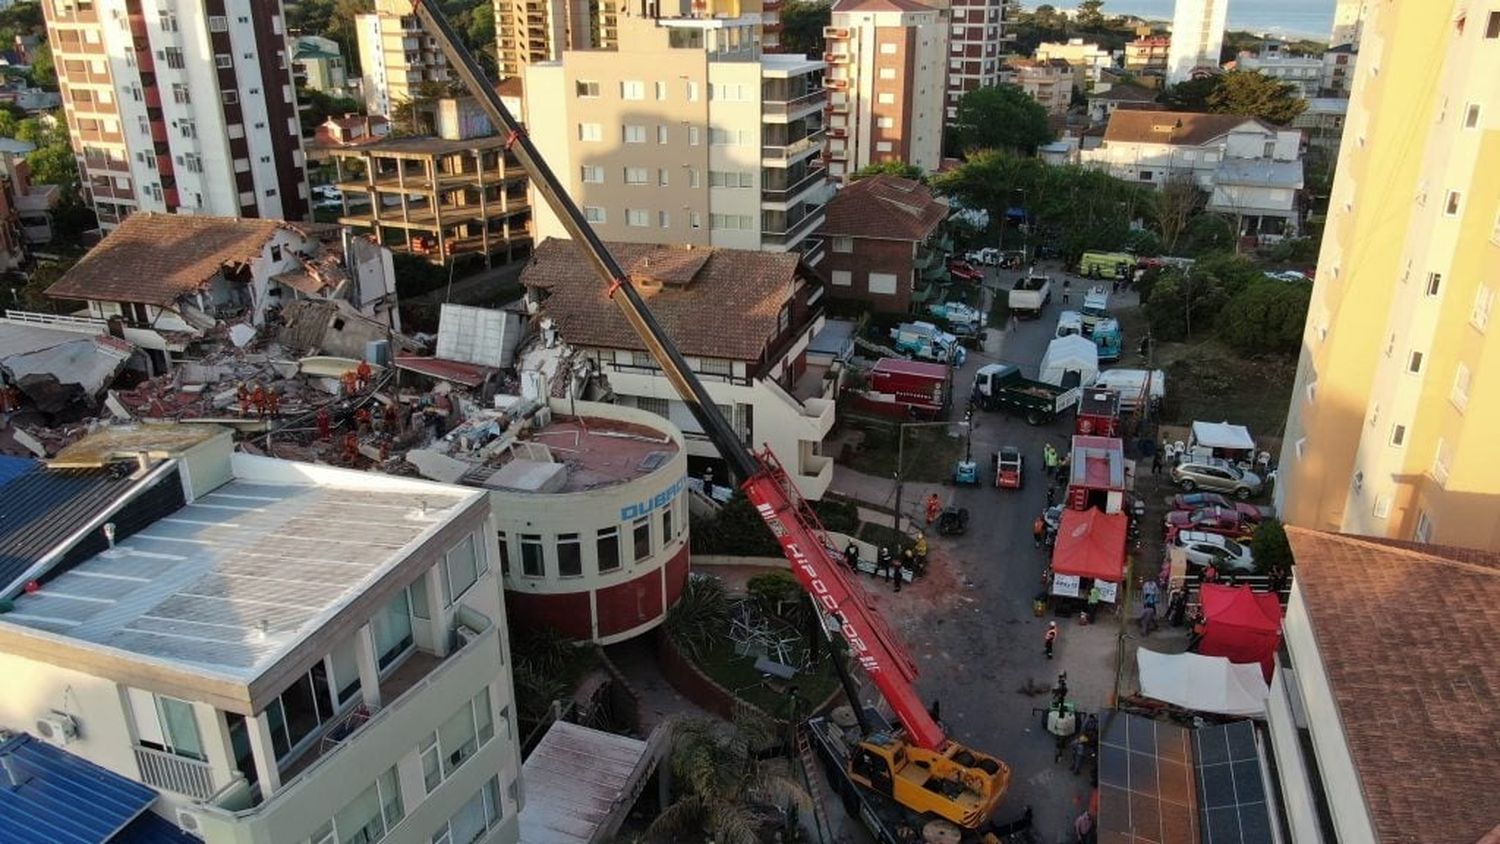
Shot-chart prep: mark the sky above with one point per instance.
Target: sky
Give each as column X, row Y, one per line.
column 1302, row 18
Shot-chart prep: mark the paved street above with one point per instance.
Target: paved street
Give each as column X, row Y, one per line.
column 970, row 623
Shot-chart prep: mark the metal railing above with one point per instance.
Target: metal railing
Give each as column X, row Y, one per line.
column 56, row 319
column 175, row 773
column 791, row 150
column 770, row 106
column 791, row 233
column 813, row 177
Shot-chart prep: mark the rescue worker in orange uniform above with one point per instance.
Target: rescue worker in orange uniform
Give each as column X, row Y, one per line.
column 362, row 374
column 934, row 508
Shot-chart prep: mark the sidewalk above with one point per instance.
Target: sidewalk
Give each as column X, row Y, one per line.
column 881, row 492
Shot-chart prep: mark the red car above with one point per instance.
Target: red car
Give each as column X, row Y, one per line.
column 964, row 271
column 1228, row 521
column 1196, row 500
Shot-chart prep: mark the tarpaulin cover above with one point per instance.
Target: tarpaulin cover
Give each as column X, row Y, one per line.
column 1202, row 683
column 1091, row 543
column 1223, row 435
column 1240, row 624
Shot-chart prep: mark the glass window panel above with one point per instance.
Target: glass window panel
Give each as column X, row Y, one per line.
column 180, row 728
column 456, row 738
column 392, row 630
column 608, row 546
column 300, row 710
column 531, row 555
column 642, row 539
column 345, row 670
column 468, row 824
column 432, row 772
column 418, row 592
column 390, row 797
column 483, row 717
column 276, row 721
column 569, row 555
column 360, row 822
column 462, row 565
column 504, row 553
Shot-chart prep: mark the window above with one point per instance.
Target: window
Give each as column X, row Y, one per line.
column 637, row 217
column 218, row 23
column 1382, row 507
column 370, row 816
column 455, row 742
column 569, row 555
column 1471, row 117
column 692, row 177
column 474, row 818
column 642, row 535
column 843, row 244
column 607, row 547
column 1450, row 207
column 1414, row 363
column 632, row 90
column 883, row 146
column 503, row 544
column 192, row 163
column 885, row 122
column 731, row 222
column 590, row 132
column 593, row 213
column 1423, row 532
column 1484, row 299
column 661, row 133
column 881, row 283
column 222, row 61
column 168, row 21
column 634, row 134
column 188, row 129
column 1440, row 461
column 636, row 175
column 692, row 92
column 695, row 220
column 229, row 97
column 886, row 73
column 1145, row 175
column 586, row 89
column 1492, row 26
column 888, row 49
column 842, row 278
column 666, row 524
column 180, row 94
column 886, row 98
column 462, row 565
column 663, row 219
column 730, row 179
column 591, row 174
column 1434, row 283
column 531, row 555
column 166, row 724
column 1398, row 435
column 661, row 91
column 391, row 630
column 1460, row 393
column 693, row 139
column 663, row 176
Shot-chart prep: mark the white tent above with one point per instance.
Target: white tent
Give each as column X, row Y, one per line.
column 1222, row 435
column 1074, row 354
column 1203, row 683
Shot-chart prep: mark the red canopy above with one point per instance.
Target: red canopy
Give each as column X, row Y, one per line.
column 1241, row 625
column 1091, row 543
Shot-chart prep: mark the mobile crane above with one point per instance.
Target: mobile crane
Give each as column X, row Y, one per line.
column 917, row 766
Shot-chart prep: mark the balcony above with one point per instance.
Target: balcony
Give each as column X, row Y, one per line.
column 814, row 177
column 836, row 58
column 772, row 155
column 791, row 233
column 835, row 32
column 839, row 132
column 171, row 772
column 793, row 108
column 835, row 84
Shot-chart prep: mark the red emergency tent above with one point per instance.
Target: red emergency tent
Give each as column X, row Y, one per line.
column 1241, row 625
column 1091, row 543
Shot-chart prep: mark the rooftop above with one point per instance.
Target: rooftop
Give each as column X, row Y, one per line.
column 1411, row 664
column 229, row 585
column 1126, row 93
column 568, row 454
column 407, row 145
column 580, row 782
column 44, row 506
column 156, row 258
column 1183, row 128
column 881, row 6
column 689, row 290
column 1259, row 173
column 885, row 207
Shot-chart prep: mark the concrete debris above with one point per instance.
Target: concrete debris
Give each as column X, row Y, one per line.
column 436, row 466
column 241, row 334
column 73, row 372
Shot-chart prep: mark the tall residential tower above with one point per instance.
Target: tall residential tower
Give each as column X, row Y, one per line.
column 1197, row 39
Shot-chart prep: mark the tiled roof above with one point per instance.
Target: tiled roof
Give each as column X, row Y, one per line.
column 44, row 506
column 1406, row 634
column 885, row 207
column 156, row 258
column 1126, row 93
column 728, row 308
column 881, row 6
column 65, row 799
column 1183, row 128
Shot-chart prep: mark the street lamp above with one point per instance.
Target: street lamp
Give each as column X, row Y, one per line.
column 901, row 456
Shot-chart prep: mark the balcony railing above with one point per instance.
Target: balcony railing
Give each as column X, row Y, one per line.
column 781, row 108
column 175, row 773
column 786, row 152
column 813, row 177
column 794, row 232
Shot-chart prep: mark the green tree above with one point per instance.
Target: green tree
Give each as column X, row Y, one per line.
column 724, row 779
column 1247, row 92
column 43, row 73
column 319, row 106
column 1182, row 303
column 802, row 23
column 1002, row 117
column 1266, row 316
column 481, row 29
column 54, row 165
column 1176, row 205
column 1089, row 14
column 889, row 168
column 1270, row 547
column 1191, row 94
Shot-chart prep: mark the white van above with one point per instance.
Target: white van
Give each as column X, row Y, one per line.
column 1069, row 323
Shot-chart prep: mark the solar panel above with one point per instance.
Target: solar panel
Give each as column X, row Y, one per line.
column 1146, row 790
column 1231, row 791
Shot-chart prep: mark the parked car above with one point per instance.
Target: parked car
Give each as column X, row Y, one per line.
column 989, row 256
column 1199, row 500
column 1202, row 548
column 1228, row 521
column 1216, row 475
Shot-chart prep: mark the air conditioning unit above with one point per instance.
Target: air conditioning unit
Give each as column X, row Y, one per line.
column 57, row 728
column 464, row 636
column 187, row 821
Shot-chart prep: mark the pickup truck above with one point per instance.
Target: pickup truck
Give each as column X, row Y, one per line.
column 1001, row 386
column 1030, row 294
column 957, row 313
column 925, row 341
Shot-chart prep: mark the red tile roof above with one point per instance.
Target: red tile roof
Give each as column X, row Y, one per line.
column 1183, row 128
column 881, row 6
column 719, row 303
column 156, row 258
column 1406, row 634
column 886, row 208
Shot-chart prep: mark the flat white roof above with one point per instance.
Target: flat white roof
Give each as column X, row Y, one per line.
column 578, row 780
column 231, row 583
column 782, row 65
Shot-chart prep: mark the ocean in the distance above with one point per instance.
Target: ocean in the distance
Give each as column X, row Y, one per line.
column 1304, row 18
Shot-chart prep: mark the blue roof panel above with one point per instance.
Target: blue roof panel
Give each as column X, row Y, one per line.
column 64, row 799
column 151, row 828
column 14, row 467
column 44, row 506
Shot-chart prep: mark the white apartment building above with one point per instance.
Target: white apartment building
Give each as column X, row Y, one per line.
column 1348, row 22
column 887, row 80
column 1339, row 64
column 285, row 652
column 184, row 108
column 1049, row 82
column 685, row 133
column 396, row 56
column 1088, row 60
column 978, row 35
column 1304, row 73
column 754, row 366
column 1197, row 39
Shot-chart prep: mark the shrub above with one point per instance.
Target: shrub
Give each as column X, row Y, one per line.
column 701, row 616
column 1272, row 551
column 1266, row 316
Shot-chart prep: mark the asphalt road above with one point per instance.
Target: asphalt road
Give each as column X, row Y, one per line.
column 971, row 627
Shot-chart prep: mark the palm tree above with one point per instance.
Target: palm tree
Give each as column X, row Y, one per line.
column 727, row 783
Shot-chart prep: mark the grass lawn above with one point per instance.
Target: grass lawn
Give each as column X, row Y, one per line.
column 929, row 453
column 738, row 675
